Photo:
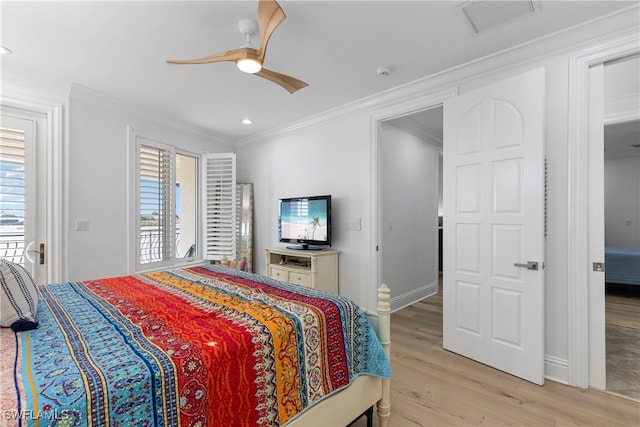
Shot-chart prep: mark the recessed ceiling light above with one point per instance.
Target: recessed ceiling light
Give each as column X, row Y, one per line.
column 5, row 51
column 247, row 121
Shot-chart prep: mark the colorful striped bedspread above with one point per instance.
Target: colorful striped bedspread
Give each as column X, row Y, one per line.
column 198, row 346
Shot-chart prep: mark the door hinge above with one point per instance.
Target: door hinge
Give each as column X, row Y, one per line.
column 598, row 266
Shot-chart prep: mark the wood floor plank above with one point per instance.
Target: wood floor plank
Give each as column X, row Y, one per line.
column 622, row 310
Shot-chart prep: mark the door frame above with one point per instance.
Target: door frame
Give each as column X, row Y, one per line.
column 51, row 113
column 583, row 340
column 419, row 103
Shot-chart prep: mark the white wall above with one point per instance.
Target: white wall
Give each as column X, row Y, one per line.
column 622, row 162
column 408, row 217
column 335, row 159
column 622, row 201
column 97, row 183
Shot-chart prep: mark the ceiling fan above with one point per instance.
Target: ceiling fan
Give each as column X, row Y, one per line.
column 249, row 59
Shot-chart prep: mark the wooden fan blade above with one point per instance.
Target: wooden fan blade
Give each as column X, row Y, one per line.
column 289, row 83
column 270, row 15
column 230, row 55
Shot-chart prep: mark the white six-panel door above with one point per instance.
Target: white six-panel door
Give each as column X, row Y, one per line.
column 494, row 225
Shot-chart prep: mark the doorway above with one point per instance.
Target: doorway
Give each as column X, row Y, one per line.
column 585, row 288
column 411, row 203
column 621, row 177
column 493, row 313
column 42, row 245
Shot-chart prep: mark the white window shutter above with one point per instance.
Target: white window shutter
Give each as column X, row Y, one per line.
column 219, row 208
column 13, row 187
column 156, row 187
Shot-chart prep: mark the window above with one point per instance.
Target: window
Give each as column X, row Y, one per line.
column 156, row 203
column 168, row 206
column 12, row 194
column 18, row 191
column 186, row 205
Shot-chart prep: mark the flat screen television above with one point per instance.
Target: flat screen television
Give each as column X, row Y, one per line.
column 305, row 221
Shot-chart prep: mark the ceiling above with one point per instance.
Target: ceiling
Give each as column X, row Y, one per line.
column 119, row 48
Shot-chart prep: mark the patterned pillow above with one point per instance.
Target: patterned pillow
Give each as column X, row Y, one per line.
column 243, row 265
column 19, row 297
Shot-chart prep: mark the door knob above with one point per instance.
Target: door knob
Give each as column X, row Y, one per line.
column 530, row 265
column 40, row 252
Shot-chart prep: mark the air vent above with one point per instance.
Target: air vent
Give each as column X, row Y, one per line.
column 483, row 15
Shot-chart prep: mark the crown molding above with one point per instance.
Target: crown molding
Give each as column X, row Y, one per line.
column 624, row 108
column 418, row 129
column 105, row 101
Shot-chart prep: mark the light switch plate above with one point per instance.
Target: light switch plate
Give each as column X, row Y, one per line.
column 82, row 225
column 354, row 224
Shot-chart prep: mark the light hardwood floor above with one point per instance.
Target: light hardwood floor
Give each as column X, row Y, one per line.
column 622, row 308
column 434, row 387
column 622, row 314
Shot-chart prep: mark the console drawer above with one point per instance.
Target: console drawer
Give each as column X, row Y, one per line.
column 279, row 274
column 298, row 278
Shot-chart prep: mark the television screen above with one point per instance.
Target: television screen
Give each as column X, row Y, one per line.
column 305, row 220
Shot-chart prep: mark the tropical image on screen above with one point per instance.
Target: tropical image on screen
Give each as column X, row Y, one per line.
column 304, row 219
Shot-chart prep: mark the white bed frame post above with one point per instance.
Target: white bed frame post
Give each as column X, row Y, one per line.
column 384, row 335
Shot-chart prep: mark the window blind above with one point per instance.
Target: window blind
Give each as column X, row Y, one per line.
column 12, row 193
column 219, row 210
column 156, row 198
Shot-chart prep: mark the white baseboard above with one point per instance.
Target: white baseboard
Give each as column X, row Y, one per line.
column 556, row 369
column 401, row 301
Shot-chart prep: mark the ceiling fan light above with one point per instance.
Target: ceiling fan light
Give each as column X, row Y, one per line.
column 249, row 65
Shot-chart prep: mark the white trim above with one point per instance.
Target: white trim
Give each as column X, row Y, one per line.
column 418, row 130
column 555, row 369
column 421, row 102
column 623, row 108
column 55, row 202
column 598, row 51
column 408, row 298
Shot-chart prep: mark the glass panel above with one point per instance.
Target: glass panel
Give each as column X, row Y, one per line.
column 12, row 194
column 186, row 205
column 156, row 200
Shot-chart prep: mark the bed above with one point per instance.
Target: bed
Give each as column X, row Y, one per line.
column 622, row 265
column 199, row 346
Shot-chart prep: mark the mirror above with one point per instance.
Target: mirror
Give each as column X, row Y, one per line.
column 244, row 225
